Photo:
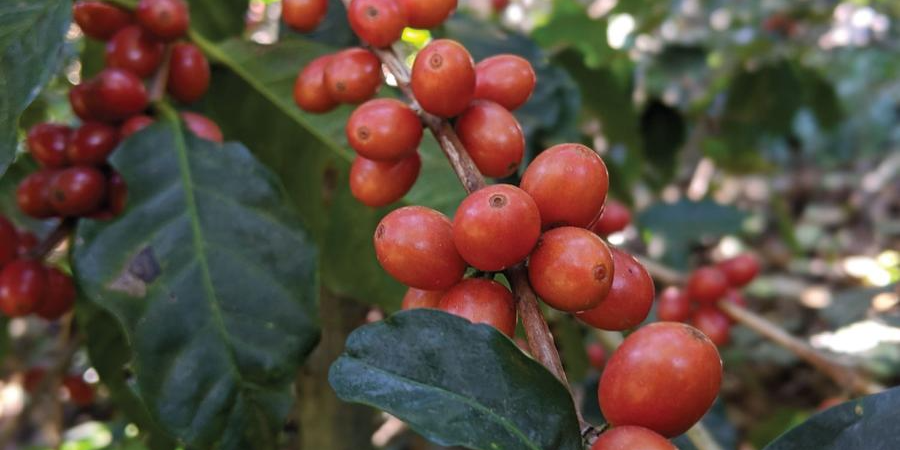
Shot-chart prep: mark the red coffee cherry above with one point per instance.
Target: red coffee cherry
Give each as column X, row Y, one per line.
column 596, row 355
column 117, row 94
column 22, row 287
column 707, row 285
column 496, row 227
column 116, row 195
column 310, row 93
column 630, row 297
column 166, row 19
column 134, row 50
column 571, row 269
column 303, row 15
column 135, row 124
column 80, row 393
column 77, row 191
column 664, row 377
column 740, row 270
column 674, row 305
column 33, row 194
column 27, row 241
column 427, row 13
column 735, row 297
column 713, row 323
column 482, row 301
column 443, row 78
column 99, row 20
column 9, row 241
column 417, row 298
column 203, row 127
column 47, row 143
column 352, row 75
column 81, row 101
column 505, row 79
column 569, row 183
column 414, row 244
column 59, row 295
column 380, row 183
column 499, row 5
column 493, row 138
column 377, row 22
column 830, row 402
column 614, row 218
column 629, row 437
column 384, row 129
column 188, row 73
column 92, row 143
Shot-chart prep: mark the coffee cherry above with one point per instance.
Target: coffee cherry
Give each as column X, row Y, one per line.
column 303, row 15
column 377, row 22
column 22, row 287
column 32, row 378
column 92, row 143
column 735, row 297
column 9, row 241
column 614, row 218
column 674, row 305
column 77, row 191
column 569, row 183
column 310, row 93
column 499, row 5
column 630, row 297
column 33, row 194
column 134, row 124
column 47, row 143
column 384, row 129
column 380, row 183
column 630, row 437
column 417, row 298
column 166, row 19
column 188, row 73
column 571, row 269
column 81, row 101
column 493, row 138
column 116, row 195
column 427, row 13
column 27, row 241
column 664, row 377
column 505, row 79
column 117, row 94
column 596, row 355
column 79, row 392
column 414, row 244
column 496, row 227
column 135, row 50
column 59, row 295
column 707, row 285
column 99, row 20
column 203, row 127
column 352, row 75
column 443, row 78
column 713, row 323
column 482, row 301
column 740, row 270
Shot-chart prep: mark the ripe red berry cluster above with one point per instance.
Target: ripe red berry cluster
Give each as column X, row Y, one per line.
column 697, row 302
column 27, row 286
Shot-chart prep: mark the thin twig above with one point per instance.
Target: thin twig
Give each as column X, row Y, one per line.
column 59, row 234
column 161, row 77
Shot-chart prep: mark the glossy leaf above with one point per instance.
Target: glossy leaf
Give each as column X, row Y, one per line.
column 32, row 35
column 218, row 19
column 868, row 423
column 213, row 281
column 456, row 383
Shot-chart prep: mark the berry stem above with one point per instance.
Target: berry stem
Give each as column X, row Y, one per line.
column 161, row 77
column 59, row 234
column 842, row 375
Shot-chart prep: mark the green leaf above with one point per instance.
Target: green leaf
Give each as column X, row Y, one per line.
column 663, row 130
column 456, row 383
column 253, row 102
column 570, row 27
column 32, row 35
column 218, row 19
column 868, row 423
column 213, row 282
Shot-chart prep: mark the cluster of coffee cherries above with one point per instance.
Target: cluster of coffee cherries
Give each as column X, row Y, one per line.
column 77, row 391
column 706, row 286
column 26, row 285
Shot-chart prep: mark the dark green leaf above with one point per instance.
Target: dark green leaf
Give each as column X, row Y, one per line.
column 868, row 423
column 456, row 383
column 570, row 27
column 213, row 282
column 821, row 97
column 218, row 19
column 663, row 132
column 32, row 35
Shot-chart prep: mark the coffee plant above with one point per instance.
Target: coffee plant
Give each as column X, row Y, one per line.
column 422, row 224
